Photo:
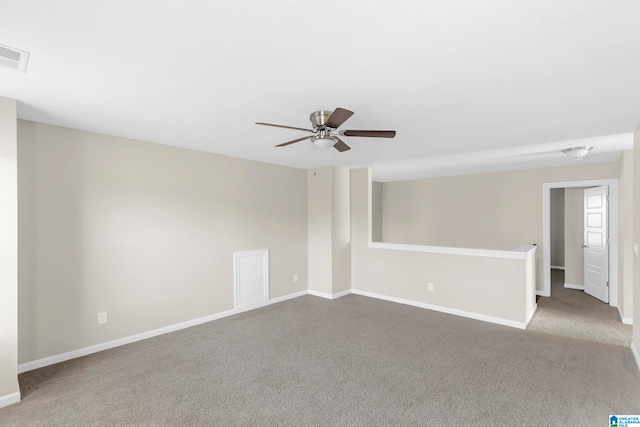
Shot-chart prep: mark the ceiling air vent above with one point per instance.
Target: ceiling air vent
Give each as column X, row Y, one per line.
column 13, row 58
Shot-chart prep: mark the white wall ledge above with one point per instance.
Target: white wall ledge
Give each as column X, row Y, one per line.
column 520, row 252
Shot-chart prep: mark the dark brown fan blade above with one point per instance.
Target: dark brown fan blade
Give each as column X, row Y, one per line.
column 341, row 146
column 286, row 127
column 294, row 141
column 370, row 133
column 338, row 117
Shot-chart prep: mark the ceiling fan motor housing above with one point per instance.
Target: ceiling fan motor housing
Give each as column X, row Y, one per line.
column 319, row 118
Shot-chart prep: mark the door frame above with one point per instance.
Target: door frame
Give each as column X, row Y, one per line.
column 613, row 233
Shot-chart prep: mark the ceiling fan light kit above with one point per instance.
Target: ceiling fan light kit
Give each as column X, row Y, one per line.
column 577, row 153
column 325, row 125
column 324, row 141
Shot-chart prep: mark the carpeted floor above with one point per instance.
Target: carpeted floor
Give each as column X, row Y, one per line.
column 573, row 313
column 353, row 361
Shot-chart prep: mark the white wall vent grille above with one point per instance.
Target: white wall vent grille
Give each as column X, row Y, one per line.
column 13, row 58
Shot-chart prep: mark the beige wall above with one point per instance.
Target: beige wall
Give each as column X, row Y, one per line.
column 376, row 211
column 319, row 193
column 556, row 226
column 461, row 282
column 341, row 230
column 144, row 232
column 636, row 239
column 329, row 230
column 625, row 275
column 8, row 253
column 500, row 210
column 574, row 236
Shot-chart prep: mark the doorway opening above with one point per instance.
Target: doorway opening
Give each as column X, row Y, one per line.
column 574, row 314
column 612, row 186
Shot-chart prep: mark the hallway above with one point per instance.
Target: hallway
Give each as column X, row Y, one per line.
column 572, row 313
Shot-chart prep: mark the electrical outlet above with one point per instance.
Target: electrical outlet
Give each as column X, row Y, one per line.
column 430, row 286
column 295, row 277
column 102, row 318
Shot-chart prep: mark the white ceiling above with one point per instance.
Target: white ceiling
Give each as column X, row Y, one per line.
column 506, row 83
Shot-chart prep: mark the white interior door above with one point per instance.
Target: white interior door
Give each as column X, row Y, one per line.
column 596, row 243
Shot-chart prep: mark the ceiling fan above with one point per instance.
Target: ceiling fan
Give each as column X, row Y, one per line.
column 325, row 133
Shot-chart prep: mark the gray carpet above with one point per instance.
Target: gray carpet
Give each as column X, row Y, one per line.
column 354, row 361
column 573, row 313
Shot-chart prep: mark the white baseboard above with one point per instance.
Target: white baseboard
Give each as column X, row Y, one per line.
column 543, row 293
column 40, row 363
column 342, row 294
column 571, row 286
column 468, row 314
column 556, row 267
column 262, row 304
column 532, row 311
column 9, row 399
column 625, row 320
column 52, row 360
column 636, row 356
column 320, row 294
column 329, row 296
